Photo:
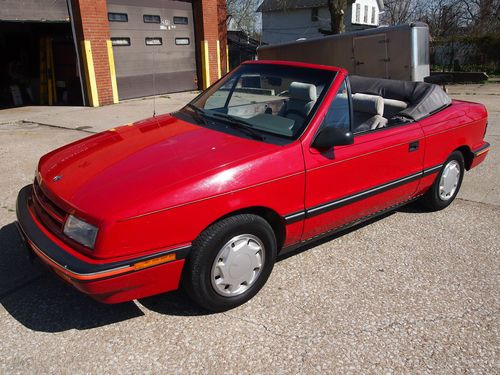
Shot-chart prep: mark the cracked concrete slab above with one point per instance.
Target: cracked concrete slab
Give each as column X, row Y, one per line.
column 412, row 292
column 98, row 119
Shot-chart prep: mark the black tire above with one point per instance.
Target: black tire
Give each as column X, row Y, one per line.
column 431, row 200
column 197, row 275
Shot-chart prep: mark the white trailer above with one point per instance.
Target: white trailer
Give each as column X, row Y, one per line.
column 396, row 52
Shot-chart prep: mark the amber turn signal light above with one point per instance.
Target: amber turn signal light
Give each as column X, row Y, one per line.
column 155, row 261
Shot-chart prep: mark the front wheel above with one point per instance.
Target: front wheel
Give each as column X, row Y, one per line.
column 230, row 262
column 447, row 184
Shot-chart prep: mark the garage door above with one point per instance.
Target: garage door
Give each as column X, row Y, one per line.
column 154, row 46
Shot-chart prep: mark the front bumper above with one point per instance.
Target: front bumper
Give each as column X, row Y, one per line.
column 108, row 282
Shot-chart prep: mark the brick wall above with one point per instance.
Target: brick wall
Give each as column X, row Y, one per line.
column 222, row 25
column 210, row 25
column 91, row 24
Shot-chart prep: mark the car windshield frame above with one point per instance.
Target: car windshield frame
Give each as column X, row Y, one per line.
column 281, row 71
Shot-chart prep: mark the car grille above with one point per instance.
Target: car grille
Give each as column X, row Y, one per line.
column 47, row 211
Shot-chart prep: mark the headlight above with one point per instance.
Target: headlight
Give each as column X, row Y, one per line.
column 80, row 231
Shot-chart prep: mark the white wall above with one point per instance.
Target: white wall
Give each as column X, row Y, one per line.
column 290, row 25
column 368, row 13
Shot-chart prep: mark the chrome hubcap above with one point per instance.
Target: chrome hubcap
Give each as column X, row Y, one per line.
column 449, row 180
column 237, row 265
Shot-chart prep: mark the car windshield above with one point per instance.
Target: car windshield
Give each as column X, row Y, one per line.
column 266, row 98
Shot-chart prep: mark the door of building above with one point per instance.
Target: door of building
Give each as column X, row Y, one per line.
column 153, row 46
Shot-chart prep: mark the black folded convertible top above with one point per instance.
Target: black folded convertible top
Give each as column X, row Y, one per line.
column 423, row 98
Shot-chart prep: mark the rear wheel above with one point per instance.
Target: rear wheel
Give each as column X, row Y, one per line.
column 447, row 184
column 230, row 262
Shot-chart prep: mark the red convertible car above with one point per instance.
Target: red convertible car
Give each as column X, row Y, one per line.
column 273, row 155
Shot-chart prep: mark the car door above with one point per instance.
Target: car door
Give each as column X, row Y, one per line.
column 380, row 169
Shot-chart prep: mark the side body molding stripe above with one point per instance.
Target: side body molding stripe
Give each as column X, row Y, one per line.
column 337, row 203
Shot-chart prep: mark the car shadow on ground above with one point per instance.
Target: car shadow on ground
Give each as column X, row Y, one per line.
column 413, row 208
column 37, row 299
column 175, row 303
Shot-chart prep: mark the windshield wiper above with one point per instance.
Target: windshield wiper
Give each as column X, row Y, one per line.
column 239, row 124
column 200, row 113
column 195, row 108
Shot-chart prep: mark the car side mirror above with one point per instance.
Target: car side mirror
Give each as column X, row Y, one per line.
column 330, row 136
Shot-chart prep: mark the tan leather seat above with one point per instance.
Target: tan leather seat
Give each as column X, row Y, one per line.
column 302, row 99
column 368, row 112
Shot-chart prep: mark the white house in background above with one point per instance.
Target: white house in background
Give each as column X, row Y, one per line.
column 289, row 20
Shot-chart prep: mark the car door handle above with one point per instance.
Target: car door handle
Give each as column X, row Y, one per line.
column 413, row 146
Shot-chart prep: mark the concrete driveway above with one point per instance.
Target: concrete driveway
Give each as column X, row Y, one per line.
column 411, row 292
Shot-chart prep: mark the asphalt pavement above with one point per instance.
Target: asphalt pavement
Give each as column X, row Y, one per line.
column 410, row 292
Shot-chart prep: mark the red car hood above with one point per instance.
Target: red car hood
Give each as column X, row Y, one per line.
column 150, row 165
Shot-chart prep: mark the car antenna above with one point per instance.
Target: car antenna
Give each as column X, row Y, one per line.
column 154, row 80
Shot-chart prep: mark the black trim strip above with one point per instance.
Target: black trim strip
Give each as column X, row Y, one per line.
column 29, row 229
column 348, row 199
column 317, row 210
column 296, row 216
column 432, row 170
column 480, row 149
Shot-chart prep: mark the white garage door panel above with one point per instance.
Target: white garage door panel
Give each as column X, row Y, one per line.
column 142, row 69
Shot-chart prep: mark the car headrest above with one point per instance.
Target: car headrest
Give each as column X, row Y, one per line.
column 371, row 104
column 302, row 91
column 396, row 104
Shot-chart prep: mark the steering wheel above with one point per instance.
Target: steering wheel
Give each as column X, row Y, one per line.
column 283, row 93
column 294, row 112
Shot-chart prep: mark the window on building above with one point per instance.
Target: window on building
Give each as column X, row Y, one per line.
column 154, row 41
column 314, row 15
column 180, row 20
column 358, row 13
column 182, row 41
column 117, row 17
column 148, row 18
column 374, row 13
column 365, row 16
column 120, row 42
